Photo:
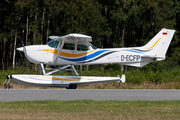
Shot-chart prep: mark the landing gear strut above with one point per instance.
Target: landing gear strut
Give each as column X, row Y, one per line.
column 71, row 86
column 6, row 83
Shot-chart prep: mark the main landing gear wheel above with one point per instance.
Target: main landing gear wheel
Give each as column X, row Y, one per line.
column 72, row 87
column 8, row 87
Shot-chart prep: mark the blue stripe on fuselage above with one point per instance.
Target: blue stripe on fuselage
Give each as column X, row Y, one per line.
column 85, row 57
column 133, row 51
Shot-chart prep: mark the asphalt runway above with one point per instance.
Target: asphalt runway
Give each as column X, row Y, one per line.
column 93, row 94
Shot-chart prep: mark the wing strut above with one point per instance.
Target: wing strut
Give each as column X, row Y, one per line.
column 59, row 51
column 74, row 70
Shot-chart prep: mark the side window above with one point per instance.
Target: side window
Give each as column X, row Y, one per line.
column 69, row 46
column 82, row 47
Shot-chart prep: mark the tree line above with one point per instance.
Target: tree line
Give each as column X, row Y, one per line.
column 111, row 23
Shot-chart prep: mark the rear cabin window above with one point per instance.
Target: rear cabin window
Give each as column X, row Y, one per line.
column 69, row 46
column 82, row 48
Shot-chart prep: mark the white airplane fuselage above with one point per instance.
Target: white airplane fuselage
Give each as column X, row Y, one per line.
column 79, row 53
column 46, row 55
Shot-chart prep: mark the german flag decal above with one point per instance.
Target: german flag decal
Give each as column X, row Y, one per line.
column 164, row 33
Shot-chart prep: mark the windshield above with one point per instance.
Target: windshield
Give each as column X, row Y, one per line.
column 53, row 43
column 94, row 47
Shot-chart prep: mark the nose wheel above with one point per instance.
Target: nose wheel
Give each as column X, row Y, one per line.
column 6, row 83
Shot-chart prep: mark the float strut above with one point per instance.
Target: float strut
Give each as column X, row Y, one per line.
column 74, row 70
column 6, row 82
column 42, row 68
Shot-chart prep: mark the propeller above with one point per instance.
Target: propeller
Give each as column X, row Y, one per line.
column 21, row 49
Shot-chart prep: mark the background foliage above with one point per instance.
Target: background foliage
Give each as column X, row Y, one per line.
column 111, row 23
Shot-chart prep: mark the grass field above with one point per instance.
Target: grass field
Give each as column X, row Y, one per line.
column 91, row 110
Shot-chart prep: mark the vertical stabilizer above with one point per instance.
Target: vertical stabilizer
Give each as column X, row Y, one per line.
column 155, row 49
column 159, row 44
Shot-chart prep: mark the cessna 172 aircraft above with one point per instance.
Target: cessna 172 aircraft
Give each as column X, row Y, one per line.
column 76, row 49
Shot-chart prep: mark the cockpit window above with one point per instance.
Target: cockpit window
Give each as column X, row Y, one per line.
column 53, row 43
column 93, row 47
column 82, row 47
column 69, row 46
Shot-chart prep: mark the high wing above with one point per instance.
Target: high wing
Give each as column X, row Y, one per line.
column 73, row 38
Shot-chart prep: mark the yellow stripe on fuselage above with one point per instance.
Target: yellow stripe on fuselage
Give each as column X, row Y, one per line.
column 75, row 55
column 154, row 44
column 64, row 54
column 51, row 51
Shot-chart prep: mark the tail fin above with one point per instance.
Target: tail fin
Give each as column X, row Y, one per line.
column 159, row 44
column 155, row 49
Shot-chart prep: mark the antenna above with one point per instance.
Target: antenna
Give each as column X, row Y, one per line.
column 23, row 38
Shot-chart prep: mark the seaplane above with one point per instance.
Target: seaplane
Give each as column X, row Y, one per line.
column 76, row 49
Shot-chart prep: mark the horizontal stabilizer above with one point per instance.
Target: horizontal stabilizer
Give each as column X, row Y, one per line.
column 137, row 64
column 152, row 57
